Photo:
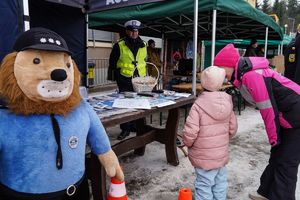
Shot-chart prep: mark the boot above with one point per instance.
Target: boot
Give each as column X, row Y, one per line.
column 256, row 196
column 123, row 134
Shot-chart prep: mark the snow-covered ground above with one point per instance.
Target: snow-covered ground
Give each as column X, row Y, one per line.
column 149, row 177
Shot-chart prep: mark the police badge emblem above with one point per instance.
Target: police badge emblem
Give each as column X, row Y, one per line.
column 73, row 142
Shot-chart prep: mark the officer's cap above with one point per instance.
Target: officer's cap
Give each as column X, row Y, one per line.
column 132, row 25
column 41, row 39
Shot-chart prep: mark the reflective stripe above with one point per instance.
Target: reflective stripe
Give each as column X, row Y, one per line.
column 264, row 104
column 117, row 190
column 246, row 95
column 259, row 71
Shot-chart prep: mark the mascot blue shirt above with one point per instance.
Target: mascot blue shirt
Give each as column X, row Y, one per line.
column 28, row 149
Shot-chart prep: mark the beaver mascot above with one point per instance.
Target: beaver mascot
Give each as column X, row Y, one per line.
column 45, row 125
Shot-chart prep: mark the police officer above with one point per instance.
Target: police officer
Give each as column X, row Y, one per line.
column 293, row 57
column 129, row 53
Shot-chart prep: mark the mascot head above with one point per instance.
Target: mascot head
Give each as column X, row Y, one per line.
column 40, row 77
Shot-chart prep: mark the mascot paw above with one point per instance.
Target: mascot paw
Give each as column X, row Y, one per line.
column 111, row 165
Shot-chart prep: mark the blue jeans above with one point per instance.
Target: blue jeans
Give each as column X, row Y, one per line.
column 211, row 184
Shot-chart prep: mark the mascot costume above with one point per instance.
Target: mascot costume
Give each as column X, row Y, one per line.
column 44, row 124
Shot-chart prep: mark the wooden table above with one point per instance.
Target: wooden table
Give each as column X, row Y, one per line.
column 187, row 87
column 145, row 135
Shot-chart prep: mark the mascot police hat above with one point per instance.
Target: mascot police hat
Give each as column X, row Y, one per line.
column 41, row 39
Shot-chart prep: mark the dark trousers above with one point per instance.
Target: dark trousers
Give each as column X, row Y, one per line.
column 82, row 193
column 125, row 85
column 278, row 181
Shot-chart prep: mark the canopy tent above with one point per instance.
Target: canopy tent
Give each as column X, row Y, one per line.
column 96, row 5
column 174, row 18
column 245, row 42
column 273, row 45
column 160, row 17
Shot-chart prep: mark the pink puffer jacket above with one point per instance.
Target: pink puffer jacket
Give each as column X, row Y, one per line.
column 208, row 128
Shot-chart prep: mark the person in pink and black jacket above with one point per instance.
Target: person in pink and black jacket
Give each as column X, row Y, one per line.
column 278, row 100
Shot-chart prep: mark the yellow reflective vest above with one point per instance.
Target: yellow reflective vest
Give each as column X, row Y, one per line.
column 126, row 60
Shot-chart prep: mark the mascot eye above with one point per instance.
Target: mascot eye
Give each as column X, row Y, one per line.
column 68, row 65
column 36, row 61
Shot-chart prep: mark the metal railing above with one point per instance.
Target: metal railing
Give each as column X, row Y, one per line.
column 101, row 68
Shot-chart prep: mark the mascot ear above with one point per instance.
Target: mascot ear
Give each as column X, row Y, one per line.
column 9, row 88
column 77, row 75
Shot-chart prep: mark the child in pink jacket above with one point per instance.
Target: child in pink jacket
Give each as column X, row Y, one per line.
column 209, row 126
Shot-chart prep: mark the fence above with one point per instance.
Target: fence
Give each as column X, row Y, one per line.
column 101, row 67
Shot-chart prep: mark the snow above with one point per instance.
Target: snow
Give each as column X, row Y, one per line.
column 149, row 177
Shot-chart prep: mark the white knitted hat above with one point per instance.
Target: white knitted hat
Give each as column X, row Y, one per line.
column 212, row 78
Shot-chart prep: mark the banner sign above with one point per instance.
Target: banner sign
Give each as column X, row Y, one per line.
column 100, row 5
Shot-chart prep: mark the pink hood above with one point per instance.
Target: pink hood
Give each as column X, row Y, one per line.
column 219, row 106
column 247, row 64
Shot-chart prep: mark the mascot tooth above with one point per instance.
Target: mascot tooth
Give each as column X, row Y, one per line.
column 45, row 125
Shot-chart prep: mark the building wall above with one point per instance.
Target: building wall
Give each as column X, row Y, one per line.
column 99, row 50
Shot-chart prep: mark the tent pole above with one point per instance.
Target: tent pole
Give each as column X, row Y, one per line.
column 195, row 52
column 162, row 52
column 213, row 44
column 166, row 61
column 26, row 15
column 93, row 34
column 85, row 77
column 202, row 55
column 266, row 41
column 162, row 57
column 278, row 50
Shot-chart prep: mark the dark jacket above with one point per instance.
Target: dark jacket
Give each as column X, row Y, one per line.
column 133, row 45
column 260, row 53
column 250, row 52
column 297, row 56
column 290, row 60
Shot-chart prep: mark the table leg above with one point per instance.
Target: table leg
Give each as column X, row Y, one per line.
column 140, row 130
column 239, row 102
column 97, row 176
column 171, row 135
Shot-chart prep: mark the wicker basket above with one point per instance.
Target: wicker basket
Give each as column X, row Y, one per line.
column 145, row 83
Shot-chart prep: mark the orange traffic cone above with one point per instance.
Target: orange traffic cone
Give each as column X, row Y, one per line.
column 185, row 194
column 117, row 190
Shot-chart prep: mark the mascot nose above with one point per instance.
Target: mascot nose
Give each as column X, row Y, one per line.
column 58, row 75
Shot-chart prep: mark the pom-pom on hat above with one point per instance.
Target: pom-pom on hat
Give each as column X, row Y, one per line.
column 212, row 78
column 227, row 57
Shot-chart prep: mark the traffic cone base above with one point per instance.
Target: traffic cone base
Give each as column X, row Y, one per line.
column 185, row 194
column 117, row 190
